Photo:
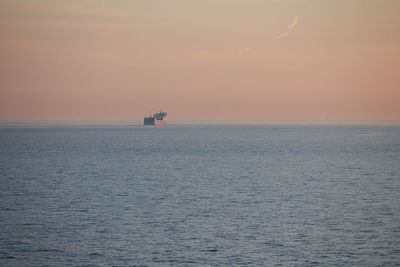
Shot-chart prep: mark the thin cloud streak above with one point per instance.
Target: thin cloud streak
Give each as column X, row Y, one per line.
column 245, row 51
column 280, row 36
column 295, row 21
column 290, row 27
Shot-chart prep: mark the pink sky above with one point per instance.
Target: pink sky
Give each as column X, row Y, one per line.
column 200, row 60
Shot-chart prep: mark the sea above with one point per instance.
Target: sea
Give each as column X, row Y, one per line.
column 199, row 195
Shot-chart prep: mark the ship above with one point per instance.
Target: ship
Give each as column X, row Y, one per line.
column 160, row 118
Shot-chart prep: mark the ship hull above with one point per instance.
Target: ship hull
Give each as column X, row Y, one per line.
column 155, row 121
column 149, row 121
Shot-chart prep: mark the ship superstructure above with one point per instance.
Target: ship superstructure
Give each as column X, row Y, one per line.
column 160, row 118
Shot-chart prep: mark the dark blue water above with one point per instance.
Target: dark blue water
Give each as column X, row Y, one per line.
column 279, row 195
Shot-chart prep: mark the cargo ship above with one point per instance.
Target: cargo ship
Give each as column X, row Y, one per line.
column 160, row 118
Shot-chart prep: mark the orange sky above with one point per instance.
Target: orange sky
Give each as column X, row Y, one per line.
column 200, row 60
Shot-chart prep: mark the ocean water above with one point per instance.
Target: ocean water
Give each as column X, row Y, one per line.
column 201, row 195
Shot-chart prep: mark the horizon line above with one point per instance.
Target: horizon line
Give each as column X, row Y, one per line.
column 201, row 122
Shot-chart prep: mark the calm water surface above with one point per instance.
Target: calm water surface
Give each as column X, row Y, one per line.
column 279, row 195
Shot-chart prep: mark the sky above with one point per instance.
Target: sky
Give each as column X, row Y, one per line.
column 200, row 60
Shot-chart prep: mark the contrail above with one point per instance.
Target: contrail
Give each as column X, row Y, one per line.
column 245, row 51
column 290, row 27
column 295, row 21
column 280, row 36
column 276, row 37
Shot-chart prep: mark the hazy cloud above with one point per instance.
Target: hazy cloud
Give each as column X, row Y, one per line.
column 65, row 24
